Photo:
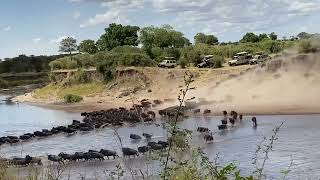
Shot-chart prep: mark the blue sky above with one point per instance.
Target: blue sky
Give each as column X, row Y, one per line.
column 36, row 26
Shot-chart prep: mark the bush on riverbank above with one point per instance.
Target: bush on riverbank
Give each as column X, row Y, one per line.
column 3, row 84
column 309, row 45
column 71, row 98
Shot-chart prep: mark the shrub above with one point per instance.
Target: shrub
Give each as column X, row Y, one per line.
column 81, row 77
column 172, row 52
column 218, row 61
column 127, row 49
column 63, row 63
column 3, row 84
column 71, row 98
column 305, row 46
column 107, row 71
column 183, row 63
column 84, row 60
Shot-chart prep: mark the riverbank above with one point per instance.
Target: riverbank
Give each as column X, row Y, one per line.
column 285, row 85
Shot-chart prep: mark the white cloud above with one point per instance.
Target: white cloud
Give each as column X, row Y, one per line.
column 76, row 15
column 108, row 17
column 7, row 28
column 36, row 40
column 215, row 16
column 116, row 11
column 59, row 39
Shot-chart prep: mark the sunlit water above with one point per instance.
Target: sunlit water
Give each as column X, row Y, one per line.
column 298, row 138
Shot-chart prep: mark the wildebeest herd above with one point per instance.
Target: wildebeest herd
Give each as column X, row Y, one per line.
column 234, row 117
column 113, row 117
column 93, row 120
column 91, row 155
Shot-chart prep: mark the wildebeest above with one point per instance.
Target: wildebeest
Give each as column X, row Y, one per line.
column 94, row 156
column 129, row 152
column 144, row 115
column 225, row 113
column 135, row 137
column 151, row 114
column 196, row 111
column 54, row 158
column 12, row 140
column 234, row 114
column 75, row 122
column 207, row 111
column 143, row 149
column 224, row 122
column 202, row 129
column 35, row 160
column 24, row 137
column 208, row 137
column 146, row 135
column 70, row 130
column 66, row 157
column 157, row 102
column 232, row 121
column 222, row 127
column 108, row 153
column 155, row 146
column 254, row 122
column 79, row 156
column 21, row 161
column 163, row 143
column 90, row 150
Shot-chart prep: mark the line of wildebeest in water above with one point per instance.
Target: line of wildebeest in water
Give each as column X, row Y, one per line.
column 92, row 120
column 114, row 117
column 91, row 155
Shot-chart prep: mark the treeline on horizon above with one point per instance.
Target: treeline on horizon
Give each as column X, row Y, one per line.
column 125, row 45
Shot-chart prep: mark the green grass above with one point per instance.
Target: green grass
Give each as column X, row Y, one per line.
column 59, row 91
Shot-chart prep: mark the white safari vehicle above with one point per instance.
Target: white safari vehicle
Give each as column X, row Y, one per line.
column 240, row 59
column 168, row 62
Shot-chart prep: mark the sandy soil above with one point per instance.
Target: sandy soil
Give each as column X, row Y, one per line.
column 290, row 87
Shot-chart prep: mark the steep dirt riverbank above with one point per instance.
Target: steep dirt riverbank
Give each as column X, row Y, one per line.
column 285, row 85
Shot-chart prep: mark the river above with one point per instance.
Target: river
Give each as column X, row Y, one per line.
column 298, row 140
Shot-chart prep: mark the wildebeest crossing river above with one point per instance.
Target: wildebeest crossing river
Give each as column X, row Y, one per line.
column 298, row 138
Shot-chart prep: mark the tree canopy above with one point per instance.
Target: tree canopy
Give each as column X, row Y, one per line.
column 162, row 37
column 205, row 39
column 304, row 35
column 273, row 36
column 88, row 46
column 68, row 45
column 250, row 37
column 118, row 35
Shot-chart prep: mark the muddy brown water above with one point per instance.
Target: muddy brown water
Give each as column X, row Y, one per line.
column 298, row 138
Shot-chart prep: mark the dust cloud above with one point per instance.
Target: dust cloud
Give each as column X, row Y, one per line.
column 288, row 84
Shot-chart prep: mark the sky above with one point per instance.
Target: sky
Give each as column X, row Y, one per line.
column 35, row 27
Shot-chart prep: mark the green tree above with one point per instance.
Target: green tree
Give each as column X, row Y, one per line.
column 304, row 35
column 205, row 39
column 68, row 45
column 273, row 36
column 211, row 39
column 88, row 46
column 263, row 36
column 118, row 35
column 162, row 37
column 200, row 38
column 250, row 37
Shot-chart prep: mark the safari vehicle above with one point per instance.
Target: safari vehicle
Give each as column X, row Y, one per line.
column 240, row 59
column 207, row 61
column 259, row 57
column 168, row 62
